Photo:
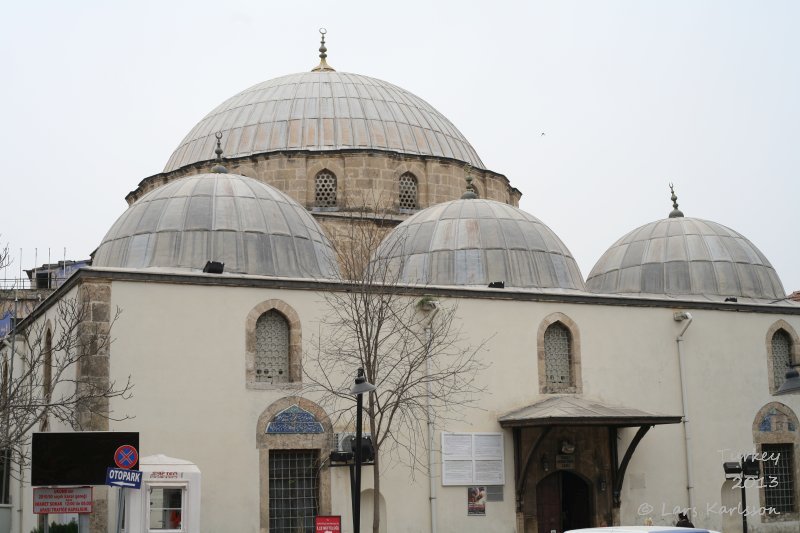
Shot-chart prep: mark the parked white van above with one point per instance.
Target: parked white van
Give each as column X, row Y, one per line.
column 642, row 529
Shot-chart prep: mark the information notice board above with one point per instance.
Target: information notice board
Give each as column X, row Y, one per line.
column 472, row 459
column 57, row 500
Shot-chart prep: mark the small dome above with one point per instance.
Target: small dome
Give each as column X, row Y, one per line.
column 324, row 110
column 251, row 227
column 476, row 242
column 685, row 258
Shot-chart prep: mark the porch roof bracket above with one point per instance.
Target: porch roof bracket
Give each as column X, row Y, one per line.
column 522, row 475
column 619, row 471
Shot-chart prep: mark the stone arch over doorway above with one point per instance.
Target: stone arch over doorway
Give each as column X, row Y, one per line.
column 564, row 500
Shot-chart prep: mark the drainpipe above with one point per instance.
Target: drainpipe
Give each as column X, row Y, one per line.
column 687, row 435
column 431, row 308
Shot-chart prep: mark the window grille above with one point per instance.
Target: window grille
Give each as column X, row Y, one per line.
column 781, row 356
column 557, row 355
column 272, row 348
column 325, row 189
column 408, row 192
column 779, row 471
column 293, row 490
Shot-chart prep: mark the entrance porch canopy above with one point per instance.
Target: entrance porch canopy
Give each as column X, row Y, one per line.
column 577, row 411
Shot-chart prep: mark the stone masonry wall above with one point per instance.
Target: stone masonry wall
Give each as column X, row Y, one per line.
column 94, row 344
column 363, row 178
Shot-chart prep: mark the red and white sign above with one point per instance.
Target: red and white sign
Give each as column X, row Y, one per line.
column 328, row 524
column 62, row 500
column 126, row 456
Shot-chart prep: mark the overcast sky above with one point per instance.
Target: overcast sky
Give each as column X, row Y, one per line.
column 631, row 95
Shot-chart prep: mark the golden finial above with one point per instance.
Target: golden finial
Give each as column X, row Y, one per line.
column 323, row 53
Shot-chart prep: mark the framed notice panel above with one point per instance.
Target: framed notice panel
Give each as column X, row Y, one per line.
column 472, row 459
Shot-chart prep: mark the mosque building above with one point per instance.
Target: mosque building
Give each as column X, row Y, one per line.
column 612, row 399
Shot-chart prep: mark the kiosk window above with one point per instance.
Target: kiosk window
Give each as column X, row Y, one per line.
column 166, row 508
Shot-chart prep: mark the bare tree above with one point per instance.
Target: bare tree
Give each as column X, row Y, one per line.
column 422, row 371
column 45, row 373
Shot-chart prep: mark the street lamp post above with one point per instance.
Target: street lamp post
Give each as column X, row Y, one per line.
column 359, row 388
column 747, row 468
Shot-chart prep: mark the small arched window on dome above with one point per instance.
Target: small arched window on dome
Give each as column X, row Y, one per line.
column 558, row 357
column 325, row 191
column 407, row 199
column 272, row 348
column 781, row 356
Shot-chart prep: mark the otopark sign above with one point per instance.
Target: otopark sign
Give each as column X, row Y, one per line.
column 125, row 457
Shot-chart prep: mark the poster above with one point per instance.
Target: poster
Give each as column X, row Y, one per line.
column 476, row 501
column 472, row 459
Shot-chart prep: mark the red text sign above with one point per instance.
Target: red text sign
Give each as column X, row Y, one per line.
column 328, row 524
column 62, row 500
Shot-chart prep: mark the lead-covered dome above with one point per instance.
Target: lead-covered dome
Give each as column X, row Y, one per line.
column 473, row 242
column 324, row 110
column 688, row 258
column 251, row 227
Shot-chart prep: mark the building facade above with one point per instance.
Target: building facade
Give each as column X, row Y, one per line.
column 614, row 400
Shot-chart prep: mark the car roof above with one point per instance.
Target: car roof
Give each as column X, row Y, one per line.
column 642, row 529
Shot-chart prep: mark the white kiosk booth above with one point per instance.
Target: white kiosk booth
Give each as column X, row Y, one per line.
column 169, row 499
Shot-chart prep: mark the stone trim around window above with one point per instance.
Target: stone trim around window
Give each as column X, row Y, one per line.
column 576, row 384
column 776, row 423
column 295, row 345
column 297, row 441
column 795, row 350
column 420, row 175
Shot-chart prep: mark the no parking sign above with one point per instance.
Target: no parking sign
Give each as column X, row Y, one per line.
column 126, row 456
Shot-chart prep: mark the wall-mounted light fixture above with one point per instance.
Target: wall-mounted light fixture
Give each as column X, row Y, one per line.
column 545, row 463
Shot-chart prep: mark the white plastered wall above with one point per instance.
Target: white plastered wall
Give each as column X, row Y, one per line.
column 184, row 347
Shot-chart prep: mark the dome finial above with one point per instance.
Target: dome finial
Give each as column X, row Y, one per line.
column 470, row 192
column 675, row 213
column 323, row 65
column 218, row 168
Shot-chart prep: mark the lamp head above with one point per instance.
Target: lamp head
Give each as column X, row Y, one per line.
column 361, row 385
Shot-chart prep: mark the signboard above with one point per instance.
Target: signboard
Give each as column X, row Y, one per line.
column 78, row 458
column 62, row 500
column 472, row 459
column 565, row 462
column 126, row 456
column 328, row 524
column 122, row 477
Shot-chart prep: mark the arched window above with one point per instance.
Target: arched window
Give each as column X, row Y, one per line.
column 776, row 434
column 558, row 356
column 407, row 199
column 272, row 348
column 783, row 350
column 325, row 190
column 781, row 356
column 273, row 343
column 293, row 435
column 558, row 349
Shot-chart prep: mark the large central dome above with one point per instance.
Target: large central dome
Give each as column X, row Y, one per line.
column 324, row 110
